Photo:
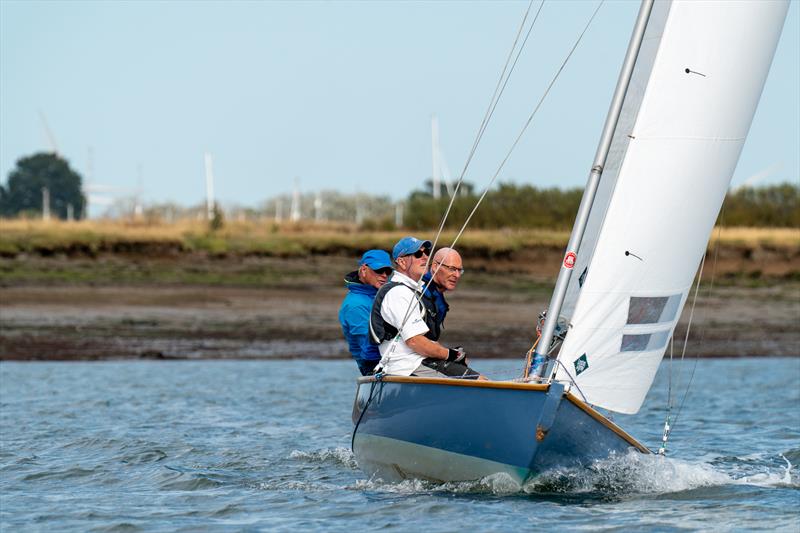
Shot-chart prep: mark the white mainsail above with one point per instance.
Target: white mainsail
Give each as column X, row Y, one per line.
column 694, row 91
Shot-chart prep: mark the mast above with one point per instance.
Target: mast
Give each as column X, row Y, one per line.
column 582, row 217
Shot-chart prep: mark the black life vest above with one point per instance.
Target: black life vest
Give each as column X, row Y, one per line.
column 380, row 330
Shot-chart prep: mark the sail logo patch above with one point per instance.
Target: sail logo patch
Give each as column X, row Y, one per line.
column 569, row 260
column 581, row 364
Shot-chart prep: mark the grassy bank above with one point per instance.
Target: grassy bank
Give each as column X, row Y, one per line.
column 267, row 238
column 246, row 238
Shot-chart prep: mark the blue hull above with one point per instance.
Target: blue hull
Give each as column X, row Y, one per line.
column 458, row 430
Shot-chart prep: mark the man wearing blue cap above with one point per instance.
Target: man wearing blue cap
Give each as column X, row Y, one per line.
column 404, row 322
column 374, row 269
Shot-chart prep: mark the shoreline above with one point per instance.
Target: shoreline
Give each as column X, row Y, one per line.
column 269, row 308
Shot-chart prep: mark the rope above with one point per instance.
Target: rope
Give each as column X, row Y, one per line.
column 703, row 331
column 514, row 144
column 490, row 111
column 667, row 428
column 525, row 371
column 525, row 126
column 378, row 378
column 502, row 81
column 498, row 92
column 514, row 64
column 665, row 436
column 566, row 371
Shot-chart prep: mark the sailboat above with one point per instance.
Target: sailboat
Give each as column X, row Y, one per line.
column 686, row 95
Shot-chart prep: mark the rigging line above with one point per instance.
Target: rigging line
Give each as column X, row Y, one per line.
column 669, row 381
column 566, row 371
column 703, row 331
column 691, row 313
column 378, row 379
column 528, row 122
column 502, row 164
column 498, row 91
column 513, row 65
column 665, row 434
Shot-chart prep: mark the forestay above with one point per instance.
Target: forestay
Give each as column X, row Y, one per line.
column 695, row 88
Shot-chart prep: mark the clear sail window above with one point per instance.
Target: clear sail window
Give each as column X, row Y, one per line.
column 644, row 342
column 653, row 309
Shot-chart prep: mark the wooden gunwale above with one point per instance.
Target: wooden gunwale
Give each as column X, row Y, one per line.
column 454, row 382
column 583, row 406
column 589, row 410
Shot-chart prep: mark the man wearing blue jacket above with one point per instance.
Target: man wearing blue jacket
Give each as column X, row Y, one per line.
column 374, row 269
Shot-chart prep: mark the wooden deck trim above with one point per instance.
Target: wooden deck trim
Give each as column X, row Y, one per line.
column 454, row 382
column 589, row 410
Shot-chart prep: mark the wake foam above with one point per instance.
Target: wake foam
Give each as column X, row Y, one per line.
column 618, row 476
column 632, row 473
column 337, row 456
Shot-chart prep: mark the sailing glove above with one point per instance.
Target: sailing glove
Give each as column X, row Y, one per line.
column 456, row 354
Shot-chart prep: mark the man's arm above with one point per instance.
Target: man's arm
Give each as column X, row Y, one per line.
column 360, row 331
column 404, row 312
column 427, row 348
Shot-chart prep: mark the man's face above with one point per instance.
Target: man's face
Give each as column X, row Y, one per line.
column 448, row 271
column 376, row 278
column 413, row 265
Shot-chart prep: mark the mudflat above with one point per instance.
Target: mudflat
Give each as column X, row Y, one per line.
column 255, row 307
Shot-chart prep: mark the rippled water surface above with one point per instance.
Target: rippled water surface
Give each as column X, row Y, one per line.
column 126, row 446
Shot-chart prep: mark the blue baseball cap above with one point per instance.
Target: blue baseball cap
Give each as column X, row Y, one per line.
column 409, row 245
column 375, row 259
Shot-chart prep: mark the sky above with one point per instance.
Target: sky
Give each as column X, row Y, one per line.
column 335, row 95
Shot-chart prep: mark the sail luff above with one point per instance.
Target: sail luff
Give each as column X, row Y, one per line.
column 587, row 200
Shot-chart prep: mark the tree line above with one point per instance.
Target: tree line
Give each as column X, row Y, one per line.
column 526, row 206
column 506, row 206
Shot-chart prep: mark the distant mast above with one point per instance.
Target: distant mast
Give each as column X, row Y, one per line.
column 209, row 187
column 51, row 139
column 295, row 214
column 436, row 171
column 89, row 179
column 318, row 207
column 359, row 209
column 138, row 210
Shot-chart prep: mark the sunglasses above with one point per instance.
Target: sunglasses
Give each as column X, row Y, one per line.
column 386, row 271
column 421, row 252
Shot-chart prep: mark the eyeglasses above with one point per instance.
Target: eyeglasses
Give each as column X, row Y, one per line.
column 386, row 271
column 451, row 268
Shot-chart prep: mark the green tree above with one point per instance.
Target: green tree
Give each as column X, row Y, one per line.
column 25, row 183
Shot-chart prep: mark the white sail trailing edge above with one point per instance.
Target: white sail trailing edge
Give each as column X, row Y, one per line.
column 692, row 98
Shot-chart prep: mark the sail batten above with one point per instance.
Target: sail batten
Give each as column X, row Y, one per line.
column 684, row 121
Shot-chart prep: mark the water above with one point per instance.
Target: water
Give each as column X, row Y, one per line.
column 233, row 446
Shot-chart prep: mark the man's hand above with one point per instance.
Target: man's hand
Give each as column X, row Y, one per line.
column 457, row 355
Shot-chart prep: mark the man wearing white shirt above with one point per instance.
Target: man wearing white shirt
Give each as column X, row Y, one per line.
column 400, row 322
